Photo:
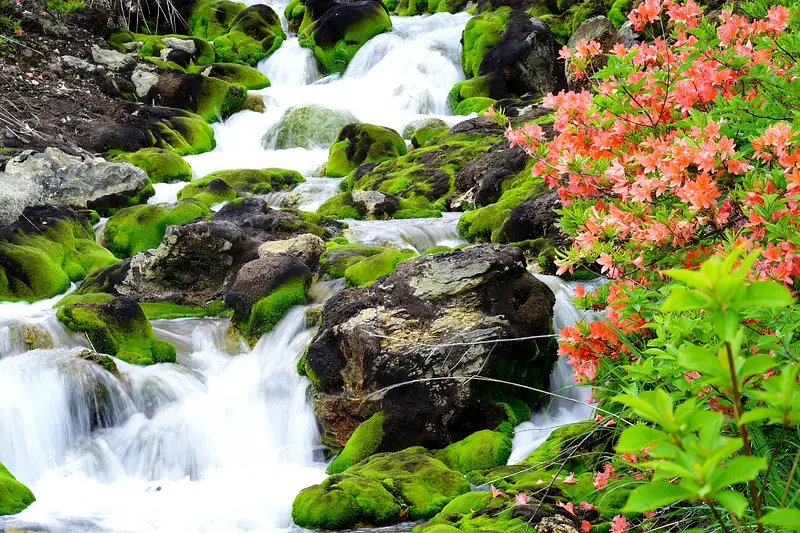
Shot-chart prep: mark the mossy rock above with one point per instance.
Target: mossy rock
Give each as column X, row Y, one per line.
column 14, row 496
column 480, row 86
column 340, row 207
column 365, row 441
column 210, row 98
column 119, row 328
column 373, row 268
column 228, row 185
column 268, row 311
column 409, row 8
column 211, row 18
column 480, row 451
column 153, row 48
column 340, row 256
column 476, row 104
column 254, row 34
column 425, row 176
column 49, row 248
column 162, row 166
column 235, row 74
column 361, row 143
column 294, row 12
column 481, row 33
column 558, row 440
column 426, row 135
column 416, row 125
column 136, row 229
column 331, row 508
column 340, row 30
column 486, row 223
column 308, row 127
column 424, row 484
column 169, row 310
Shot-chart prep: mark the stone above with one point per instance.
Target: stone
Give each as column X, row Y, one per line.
column 598, row 29
column 143, row 80
column 79, row 64
column 307, row 248
column 370, row 340
column 480, row 182
column 308, row 127
column 187, row 45
column 415, row 125
column 534, row 218
column 112, row 59
column 81, row 182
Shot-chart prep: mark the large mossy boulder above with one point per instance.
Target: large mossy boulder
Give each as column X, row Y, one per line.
column 384, row 488
column 416, row 125
column 53, row 177
column 474, row 294
column 179, row 51
column 210, row 98
column 228, row 185
column 162, row 166
column 357, row 144
column 47, row 249
column 294, row 12
column 177, row 130
column 360, row 205
column 308, row 127
column 119, row 328
column 14, row 496
column 425, row 176
column 136, row 229
column 336, row 31
column 210, row 19
column 481, row 182
column 236, row 74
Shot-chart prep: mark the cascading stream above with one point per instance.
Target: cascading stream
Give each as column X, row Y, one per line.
column 223, row 440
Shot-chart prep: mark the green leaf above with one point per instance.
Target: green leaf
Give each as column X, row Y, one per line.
column 765, row 294
column 643, row 405
column 788, row 518
column 737, row 470
column 757, row 364
column 682, row 300
column 758, row 414
column 633, row 439
column 733, row 501
column 689, row 277
column 654, row 495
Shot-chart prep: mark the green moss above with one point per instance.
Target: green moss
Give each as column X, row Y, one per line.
column 118, row 328
column 337, row 207
column 14, row 496
column 424, row 484
column 474, row 105
column 361, row 143
column 476, row 87
column 517, row 410
column 408, row 8
column 437, row 249
column 227, row 185
column 416, row 212
column 152, row 45
column 235, row 74
column 364, row 441
column 558, row 440
column 339, row 257
column 367, row 271
column 293, row 12
column 486, row 223
column 211, row 18
column 423, row 136
column 335, row 57
column 163, row 310
column 136, row 229
column 377, row 504
column 185, row 134
column 308, row 127
column 319, row 507
column 449, row 6
column 162, row 166
column 618, row 12
column 268, row 311
column 480, row 451
column 481, row 33
column 41, row 262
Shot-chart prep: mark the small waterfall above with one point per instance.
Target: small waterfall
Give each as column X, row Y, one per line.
column 290, row 65
column 414, row 233
column 307, row 196
column 558, row 411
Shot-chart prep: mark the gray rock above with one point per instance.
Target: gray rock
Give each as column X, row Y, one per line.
column 187, row 45
column 534, row 218
column 79, row 64
column 628, row 35
column 480, row 182
column 598, row 29
column 307, row 126
column 24, row 337
column 112, row 59
column 307, row 248
column 257, row 279
column 372, row 338
column 143, row 80
column 374, row 204
column 54, row 177
column 415, row 125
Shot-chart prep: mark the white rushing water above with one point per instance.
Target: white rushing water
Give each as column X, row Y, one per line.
column 222, row 441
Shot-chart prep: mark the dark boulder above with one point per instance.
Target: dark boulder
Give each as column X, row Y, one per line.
column 534, row 218
column 369, row 340
column 479, row 183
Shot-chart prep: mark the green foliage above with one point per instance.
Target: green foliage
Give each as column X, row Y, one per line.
column 136, row 229
column 14, row 496
column 66, row 6
column 268, row 311
column 364, row 441
column 482, row 33
column 371, row 269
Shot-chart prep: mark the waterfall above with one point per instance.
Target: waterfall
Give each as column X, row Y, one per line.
column 416, row 233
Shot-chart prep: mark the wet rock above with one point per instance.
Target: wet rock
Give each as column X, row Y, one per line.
column 53, row 177
column 479, row 183
column 415, row 125
column 534, row 218
column 14, row 496
column 598, row 29
column 103, row 361
column 307, row 126
column 357, row 144
column 475, row 294
column 29, row 337
column 307, row 248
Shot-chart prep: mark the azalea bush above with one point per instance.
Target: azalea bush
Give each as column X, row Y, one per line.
column 679, row 175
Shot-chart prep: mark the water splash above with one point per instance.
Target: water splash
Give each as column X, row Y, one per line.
column 417, row 234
